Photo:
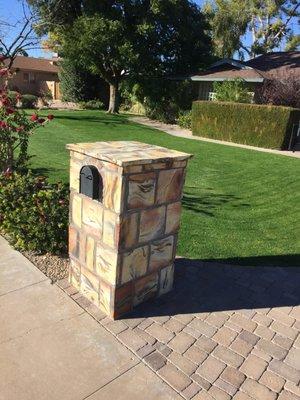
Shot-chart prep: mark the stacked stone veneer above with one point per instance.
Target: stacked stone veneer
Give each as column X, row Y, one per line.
column 122, row 248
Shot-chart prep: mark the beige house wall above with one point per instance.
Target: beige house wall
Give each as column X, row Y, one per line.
column 43, row 82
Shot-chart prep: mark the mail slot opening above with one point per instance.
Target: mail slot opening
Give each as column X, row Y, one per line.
column 91, row 183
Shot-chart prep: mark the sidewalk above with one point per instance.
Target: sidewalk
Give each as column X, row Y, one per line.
column 51, row 349
column 175, row 130
column 224, row 332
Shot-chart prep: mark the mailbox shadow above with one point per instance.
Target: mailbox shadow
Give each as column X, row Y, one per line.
column 201, row 286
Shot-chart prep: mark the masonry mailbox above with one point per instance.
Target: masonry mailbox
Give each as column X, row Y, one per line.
column 91, row 182
column 124, row 219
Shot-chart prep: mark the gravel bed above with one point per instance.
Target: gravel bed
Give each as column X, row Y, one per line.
column 55, row 267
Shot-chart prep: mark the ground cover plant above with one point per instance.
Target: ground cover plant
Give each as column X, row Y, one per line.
column 239, row 206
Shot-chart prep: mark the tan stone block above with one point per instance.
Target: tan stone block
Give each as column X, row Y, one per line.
column 74, row 274
column 92, row 212
column 89, row 285
column 111, row 225
column 90, row 253
column 73, row 242
column 166, row 280
column 106, row 297
column 107, row 264
column 141, row 190
column 75, row 167
column 82, row 246
column 173, row 217
column 123, row 302
column 145, row 288
column 113, row 191
column 134, row 264
column 76, row 209
column 129, row 230
column 133, row 169
column 154, row 166
column 170, row 184
column 179, row 164
column 152, row 224
column 161, row 253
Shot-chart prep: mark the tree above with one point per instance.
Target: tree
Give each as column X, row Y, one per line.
column 269, row 23
column 284, row 92
column 24, row 40
column 115, row 39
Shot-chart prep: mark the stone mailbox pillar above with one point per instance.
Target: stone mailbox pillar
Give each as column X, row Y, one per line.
column 124, row 219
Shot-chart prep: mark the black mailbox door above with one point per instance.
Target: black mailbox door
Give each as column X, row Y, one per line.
column 91, row 182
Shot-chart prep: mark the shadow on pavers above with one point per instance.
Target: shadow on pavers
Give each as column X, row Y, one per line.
column 202, row 286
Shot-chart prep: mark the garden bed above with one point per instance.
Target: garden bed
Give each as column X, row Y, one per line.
column 53, row 266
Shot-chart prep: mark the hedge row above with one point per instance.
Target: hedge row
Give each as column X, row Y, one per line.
column 251, row 124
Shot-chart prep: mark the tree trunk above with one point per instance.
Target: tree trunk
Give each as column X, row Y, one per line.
column 113, row 107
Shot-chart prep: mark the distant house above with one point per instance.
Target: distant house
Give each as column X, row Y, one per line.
column 35, row 76
column 279, row 65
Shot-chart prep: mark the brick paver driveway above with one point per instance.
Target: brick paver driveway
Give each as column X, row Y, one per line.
column 224, row 332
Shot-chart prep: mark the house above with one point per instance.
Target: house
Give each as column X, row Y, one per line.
column 36, row 76
column 277, row 65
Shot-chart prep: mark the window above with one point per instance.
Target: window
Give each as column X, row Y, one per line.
column 29, row 77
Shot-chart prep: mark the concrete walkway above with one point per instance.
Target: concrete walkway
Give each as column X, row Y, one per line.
column 175, row 130
column 224, row 332
column 51, row 349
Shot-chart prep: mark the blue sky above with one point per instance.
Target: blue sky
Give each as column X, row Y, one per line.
column 10, row 10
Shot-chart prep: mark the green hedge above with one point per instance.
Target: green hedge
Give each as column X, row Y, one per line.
column 251, row 124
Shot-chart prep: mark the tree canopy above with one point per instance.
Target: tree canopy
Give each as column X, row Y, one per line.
column 269, row 23
column 128, row 37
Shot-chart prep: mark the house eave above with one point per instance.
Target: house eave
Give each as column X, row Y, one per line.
column 199, row 78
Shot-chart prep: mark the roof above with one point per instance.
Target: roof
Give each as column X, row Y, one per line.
column 277, row 65
column 249, row 75
column 280, row 64
column 34, row 64
column 126, row 153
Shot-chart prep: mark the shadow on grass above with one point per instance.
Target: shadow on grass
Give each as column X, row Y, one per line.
column 103, row 119
column 208, row 202
column 201, row 286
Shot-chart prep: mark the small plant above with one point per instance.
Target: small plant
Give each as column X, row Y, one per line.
column 232, row 91
column 91, row 105
column 33, row 213
column 29, row 101
column 184, row 119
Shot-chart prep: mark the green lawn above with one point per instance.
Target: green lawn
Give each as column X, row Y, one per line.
column 240, row 206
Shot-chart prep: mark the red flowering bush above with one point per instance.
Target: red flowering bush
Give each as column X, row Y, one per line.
column 15, row 129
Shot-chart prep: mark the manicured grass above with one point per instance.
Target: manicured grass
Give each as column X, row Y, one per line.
column 240, row 206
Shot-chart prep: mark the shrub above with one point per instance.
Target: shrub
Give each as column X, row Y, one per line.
column 252, row 124
column 91, row 105
column 33, row 213
column 161, row 98
column 29, row 101
column 285, row 92
column 184, row 119
column 232, row 90
column 14, row 97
